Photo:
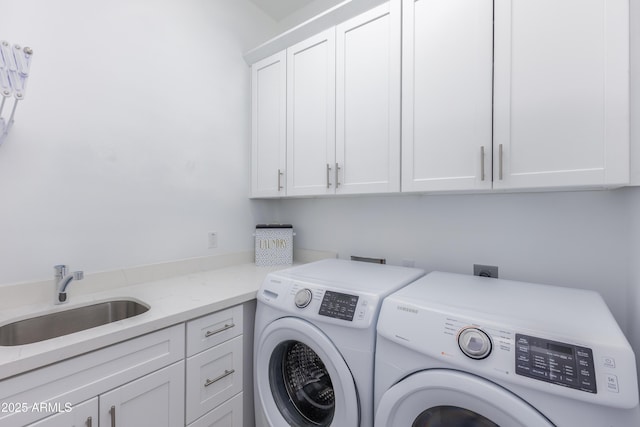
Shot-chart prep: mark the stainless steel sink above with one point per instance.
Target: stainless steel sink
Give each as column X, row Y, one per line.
column 57, row 324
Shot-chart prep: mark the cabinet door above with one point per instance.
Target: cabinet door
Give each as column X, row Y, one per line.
column 561, row 93
column 311, row 115
column 268, row 136
column 368, row 102
column 154, row 400
column 446, row 94
column 82, row 415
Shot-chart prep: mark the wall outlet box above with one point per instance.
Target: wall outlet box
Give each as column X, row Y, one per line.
column 485, row 270
column 213, row 239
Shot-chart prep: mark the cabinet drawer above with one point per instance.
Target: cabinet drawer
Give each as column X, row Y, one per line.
column 211, row 330
column 229, row 414
column 213, row 376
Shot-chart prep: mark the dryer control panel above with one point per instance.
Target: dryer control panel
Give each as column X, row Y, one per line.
column 555, row 362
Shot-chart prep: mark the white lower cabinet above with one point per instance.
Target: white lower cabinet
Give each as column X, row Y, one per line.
column 154, row 400
column 140, row 382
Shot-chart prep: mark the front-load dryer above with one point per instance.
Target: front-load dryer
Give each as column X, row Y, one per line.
column 456, row 350
column 315, row 341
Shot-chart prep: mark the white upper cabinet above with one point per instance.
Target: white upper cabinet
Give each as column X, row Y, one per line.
column 268, row 136
column 368, row 102
column 561, row 87
column 311, row 78
column 446, row 94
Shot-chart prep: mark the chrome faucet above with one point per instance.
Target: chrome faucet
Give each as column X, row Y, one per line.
column 62, row 280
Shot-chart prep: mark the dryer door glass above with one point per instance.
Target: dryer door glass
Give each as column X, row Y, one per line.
column 451, row 416
column 301, row 385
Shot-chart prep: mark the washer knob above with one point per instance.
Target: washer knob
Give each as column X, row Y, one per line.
column 475, row 343
column 303, row 298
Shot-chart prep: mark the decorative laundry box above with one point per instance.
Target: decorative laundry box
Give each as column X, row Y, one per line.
column 274, row 244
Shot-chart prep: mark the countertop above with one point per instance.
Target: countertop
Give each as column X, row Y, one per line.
column 172, row 300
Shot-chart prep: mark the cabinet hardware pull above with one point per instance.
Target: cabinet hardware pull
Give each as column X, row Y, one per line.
column 328, row 179
column 280, row 173
column 500, row 161
column 226, row 374
column 217, row 331
column 482, row 163
column 337, row 170
column 112, row 411
column 89, row 422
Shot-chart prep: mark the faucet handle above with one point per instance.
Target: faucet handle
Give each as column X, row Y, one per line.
column 60, row 269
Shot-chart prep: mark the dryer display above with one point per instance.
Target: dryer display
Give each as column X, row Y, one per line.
column 555, row 362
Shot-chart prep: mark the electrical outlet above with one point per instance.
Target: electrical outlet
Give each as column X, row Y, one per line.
column 213, row 240
column 485, row 270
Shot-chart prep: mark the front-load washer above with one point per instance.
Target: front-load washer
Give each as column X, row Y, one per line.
column 457, row 350
column 315, row 340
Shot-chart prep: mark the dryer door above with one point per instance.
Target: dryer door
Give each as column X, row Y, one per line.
column 439, row 398
column 301, row 378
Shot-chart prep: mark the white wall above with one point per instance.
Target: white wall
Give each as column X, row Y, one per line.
column 133, row 140
column 576, row 239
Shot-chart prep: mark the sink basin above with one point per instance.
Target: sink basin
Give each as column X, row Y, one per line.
column 57, row 324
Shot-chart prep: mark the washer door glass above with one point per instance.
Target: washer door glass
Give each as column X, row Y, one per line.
column 445, row 416
column 301, row 385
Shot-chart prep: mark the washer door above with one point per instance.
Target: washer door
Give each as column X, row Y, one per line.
column 302, row 379
column 439, row 398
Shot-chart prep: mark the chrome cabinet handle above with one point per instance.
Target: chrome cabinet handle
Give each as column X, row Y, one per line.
column 500, row 162
column 280, row 173
column 482, row 163
column 217, row 331
column 112, row 411
column 215, row 380
column 328, row 178
column 337, row 170
column 89, row 422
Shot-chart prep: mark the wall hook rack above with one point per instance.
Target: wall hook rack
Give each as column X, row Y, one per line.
column 14, row 72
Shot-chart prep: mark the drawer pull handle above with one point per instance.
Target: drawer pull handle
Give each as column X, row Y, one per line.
column 89, row 422
column 280, row 173
column 215, row 380
column 482, row 163
column 217, row 331
column 500, row 161
column 112, row 411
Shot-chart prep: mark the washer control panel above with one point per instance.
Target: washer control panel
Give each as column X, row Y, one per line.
column 317, row 301
column 338, row 305
column 555, row 362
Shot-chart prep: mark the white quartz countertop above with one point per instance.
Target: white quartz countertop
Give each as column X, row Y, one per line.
column 172, row 300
